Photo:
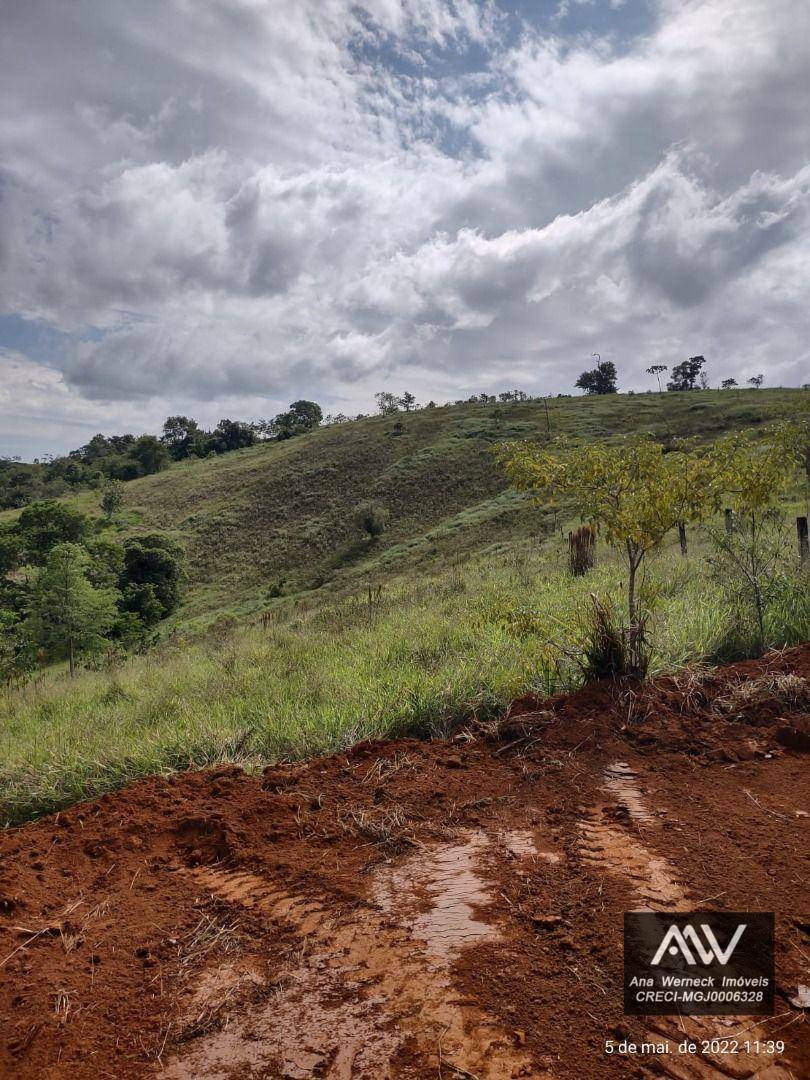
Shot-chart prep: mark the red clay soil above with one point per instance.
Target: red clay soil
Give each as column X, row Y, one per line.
column 413, row 910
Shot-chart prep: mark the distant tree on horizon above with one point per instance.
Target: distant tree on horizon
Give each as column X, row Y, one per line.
column 728, row 384
column 232, row 435
column 685, row 375
column 179, row 435
column 387, row 403
column 301, row 417
column 599, row 380
column 756, row 381
column 150, row 453
column 657, row 370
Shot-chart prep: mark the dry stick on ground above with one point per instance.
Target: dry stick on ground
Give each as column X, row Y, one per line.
column 49, row 929
column 509, row 746
column 159, row 1054
column 455, row 1069
column 765, row 809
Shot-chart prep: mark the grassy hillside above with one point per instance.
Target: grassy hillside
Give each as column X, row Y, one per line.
column 431, row 651
column 475, row 604
column 284, row 510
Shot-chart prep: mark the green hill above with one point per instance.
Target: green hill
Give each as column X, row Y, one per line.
column 464, row 603
column 284, row 510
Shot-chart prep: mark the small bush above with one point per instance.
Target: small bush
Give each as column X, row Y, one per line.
column 610, row 650
column 372, row 519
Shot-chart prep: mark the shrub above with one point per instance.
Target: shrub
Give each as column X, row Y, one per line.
column 609, row 650
column 112, row 498
column 372, row 519
column 152, row 561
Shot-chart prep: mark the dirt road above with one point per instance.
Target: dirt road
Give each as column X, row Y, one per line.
column 413, row 910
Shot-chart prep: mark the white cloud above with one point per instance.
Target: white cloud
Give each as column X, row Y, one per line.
column 257, row 201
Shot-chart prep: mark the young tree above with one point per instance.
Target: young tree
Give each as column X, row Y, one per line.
column 112, row 498
column 728, row 384
column 43, row 525
column 634, row 493
column 408, row 402
column 67, row 614
column 599, row 380
column 756, row 381
column 386, row 403
column 657, row 370
column 685, row 375
column 750, row 560
column 152, row 572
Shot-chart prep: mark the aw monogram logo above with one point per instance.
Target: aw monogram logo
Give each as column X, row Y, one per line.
column 698, row 963
column 677, row 940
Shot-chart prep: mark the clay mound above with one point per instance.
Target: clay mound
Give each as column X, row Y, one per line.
column 412, row 909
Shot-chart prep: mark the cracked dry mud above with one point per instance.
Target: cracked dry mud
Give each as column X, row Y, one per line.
column 406, row 910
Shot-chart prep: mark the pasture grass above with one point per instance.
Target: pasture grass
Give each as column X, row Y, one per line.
column 427, row 653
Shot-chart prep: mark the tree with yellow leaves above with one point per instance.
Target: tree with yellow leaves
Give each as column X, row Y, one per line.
column 634, row 491
column 751, row 560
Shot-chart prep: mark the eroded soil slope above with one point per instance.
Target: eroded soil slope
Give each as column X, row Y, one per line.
column 416, row 910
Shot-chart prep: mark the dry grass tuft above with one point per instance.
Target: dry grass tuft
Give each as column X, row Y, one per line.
column 383, row 826
column 213, row 933
column 384, row 768
column 784, row 688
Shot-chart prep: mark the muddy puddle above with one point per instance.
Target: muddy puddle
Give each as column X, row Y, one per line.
column 622, row 783
column 370, row 990
column 447, row 891
column 524, row 844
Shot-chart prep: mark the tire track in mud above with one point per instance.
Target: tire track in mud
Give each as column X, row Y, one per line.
column 371, row 995
column 606, row 845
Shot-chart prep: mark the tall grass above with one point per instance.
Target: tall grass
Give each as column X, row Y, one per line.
column 417, row 658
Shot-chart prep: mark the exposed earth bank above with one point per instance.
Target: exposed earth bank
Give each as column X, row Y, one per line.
column 406, row 909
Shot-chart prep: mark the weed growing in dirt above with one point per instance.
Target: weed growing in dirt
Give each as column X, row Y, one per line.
column 610, row 650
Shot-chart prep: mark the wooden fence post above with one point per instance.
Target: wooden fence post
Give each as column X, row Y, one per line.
column 804, row 543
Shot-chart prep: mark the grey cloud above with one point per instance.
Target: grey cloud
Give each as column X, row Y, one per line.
column 279, row 206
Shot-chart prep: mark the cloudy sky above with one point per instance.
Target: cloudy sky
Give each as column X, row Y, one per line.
column 218, row 206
